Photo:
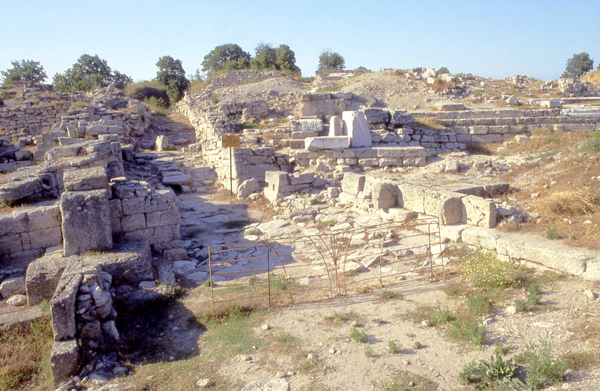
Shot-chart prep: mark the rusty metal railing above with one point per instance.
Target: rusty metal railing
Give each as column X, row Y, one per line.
column 307, row 268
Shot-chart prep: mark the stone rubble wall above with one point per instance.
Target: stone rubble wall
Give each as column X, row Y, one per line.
column 83, row 317
column 484, row 126
column 31, row 120
column 29, row 232
column 236, row 78
column 107, row 109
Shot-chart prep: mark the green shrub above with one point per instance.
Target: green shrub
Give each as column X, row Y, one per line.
column 542, row 368
column 442, row 316
column 479, row 304
column 417, row 345
column 467, row 330
column 358, row 335
column 533, row 299
column 390, row 295
column 214, row 99
column 393, row 347
column 485, row 373
column 368, row 351
column 592, row 144
column 552, row 233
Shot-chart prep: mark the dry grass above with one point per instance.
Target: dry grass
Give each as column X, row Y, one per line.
column 569, row 203
column 592, row 77
column 24, row 353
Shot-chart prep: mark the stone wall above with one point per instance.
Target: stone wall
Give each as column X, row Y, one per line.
column 249, row 163
column 236, row 78
column 26, row 120
column 137, row 212
column 363, row 158
column 28, row 232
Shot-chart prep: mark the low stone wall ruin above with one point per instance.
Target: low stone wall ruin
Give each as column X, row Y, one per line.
column 28, row 232
column 236, row 78
column 23, row 120
column 464, row 203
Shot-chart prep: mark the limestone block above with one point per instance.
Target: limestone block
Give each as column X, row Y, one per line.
column 134, row 205
column 10, row 244
column 401, row 117
column 161, row 143
column 86, row 222
column 476, row 236
column 162, row 217
column 445, row 205
column 478, row 211
column 43, row 217
column 271, row 195
column 85, row 179
column 300, row 179
column 42, row 277
column 248, row 187
column 377, row 116
column 158, row 200
column 353, row 183
column 65, row 360
column 11, row 286
column 393, row 162
column 357, row 128
column 97, row 129
column 307, row 125
column 364, row 153
column 13, row 223
column 412, row 197
column 327, row 107
column 335, row 126
column 319, row 143
column 41, row 239
column 390, row 152
column 277, row 178
column 130, row 263
column 165, row 234
column 133, row 222
column 551, row 254
column 178, row 178
column 62, row 306
column 384, row 195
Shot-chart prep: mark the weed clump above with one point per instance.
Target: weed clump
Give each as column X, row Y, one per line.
column 485, row 373
column 467, row 330
column 393, row 347
column 542, row 368
column 358, row 335
column 484, row 270
column 479, row 304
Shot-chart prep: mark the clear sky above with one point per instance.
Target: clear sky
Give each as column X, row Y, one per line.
column 491, row 38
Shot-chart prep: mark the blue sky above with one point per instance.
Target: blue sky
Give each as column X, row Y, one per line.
column 486, row 37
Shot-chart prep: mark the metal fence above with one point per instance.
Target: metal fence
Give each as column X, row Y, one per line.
column 285, row 270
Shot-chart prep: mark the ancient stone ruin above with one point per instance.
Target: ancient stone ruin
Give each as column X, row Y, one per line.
column 94, row 193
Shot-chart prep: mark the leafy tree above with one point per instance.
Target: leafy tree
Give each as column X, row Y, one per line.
column 268, row 58
column 286, row 60
column 578, row 65
column 120, row 80
column 88, row 73
column 443, row 70
column 362, row 69
column 172, row 75
column 329, row 60
column 24, row 71
column 224, row 58
column 265, row 57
